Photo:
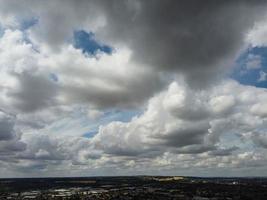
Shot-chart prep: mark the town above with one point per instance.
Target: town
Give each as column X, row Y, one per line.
column 141, row 187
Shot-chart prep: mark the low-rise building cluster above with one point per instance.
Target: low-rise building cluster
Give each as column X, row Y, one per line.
column 149, row 189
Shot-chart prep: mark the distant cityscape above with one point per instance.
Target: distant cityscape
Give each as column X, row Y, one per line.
column 139, row 187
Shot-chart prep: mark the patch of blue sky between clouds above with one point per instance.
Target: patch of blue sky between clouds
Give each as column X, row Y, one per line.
column 23, row 27
column 25, row 24
column 111, row 116
column 87, row 43
column 234, row 139
column 53, row 77
column 251, row 67
column 79, row 124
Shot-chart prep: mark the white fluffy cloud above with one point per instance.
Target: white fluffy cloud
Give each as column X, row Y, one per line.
column 37, row 100
column 257, row 36
column 161, row 139
column 171, row 122
column 113, row 80
column 165, row 136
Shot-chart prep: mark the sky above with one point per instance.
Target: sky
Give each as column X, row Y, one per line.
column 119, row 87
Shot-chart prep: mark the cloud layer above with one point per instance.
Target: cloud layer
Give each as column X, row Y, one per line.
column 184, row 36
column 64, row 109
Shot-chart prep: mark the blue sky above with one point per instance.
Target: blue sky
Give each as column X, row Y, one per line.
column 86, row 41
column 250, row 76
column 109, row 116
column 27, row 23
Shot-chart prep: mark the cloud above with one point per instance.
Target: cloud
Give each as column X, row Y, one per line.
column 253, row 62
column 42, row 147
column 159, row 129
column 224, row 152
column 114, row 81
column 179, row 36
column 263, row 76
column 24, row 87
column 28, row 85
column 94, row 114
column 10, row 142
column 259, row 138
column 7, row 126
column 33, row 92
column 160, row 138
column 259, row 109
column 183, row 35
column 257, row 36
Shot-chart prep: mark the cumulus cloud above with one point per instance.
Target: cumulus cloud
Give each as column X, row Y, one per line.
column 23, row 86
column 257, row 36
column 161, row 130
column 168, row 133
column 27, row 83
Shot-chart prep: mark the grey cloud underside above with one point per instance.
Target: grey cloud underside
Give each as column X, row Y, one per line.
column 196, row 38
column 132, row 92
column 189, row 136
column 9, row 137
column 6, row 129
column 35, row 92
column 224, row 152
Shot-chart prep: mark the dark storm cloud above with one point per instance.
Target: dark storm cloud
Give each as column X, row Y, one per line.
column 191, row 36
